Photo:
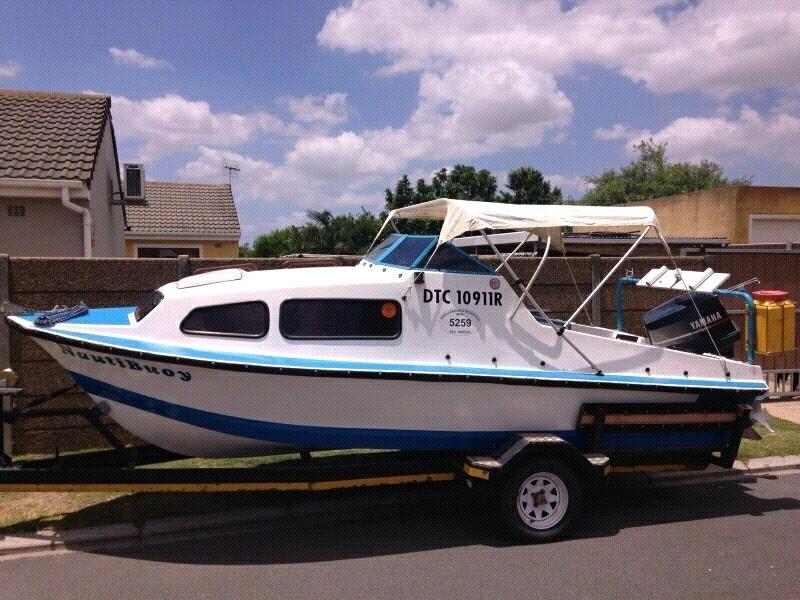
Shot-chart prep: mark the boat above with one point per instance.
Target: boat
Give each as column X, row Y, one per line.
column 419, row 346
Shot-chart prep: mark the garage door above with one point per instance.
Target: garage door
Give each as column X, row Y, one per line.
column 774, row 229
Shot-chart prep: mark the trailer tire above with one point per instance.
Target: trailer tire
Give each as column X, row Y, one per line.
column 540, row 499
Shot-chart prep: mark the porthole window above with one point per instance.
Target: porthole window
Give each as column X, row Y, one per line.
column 242, row 319
column 328, row 319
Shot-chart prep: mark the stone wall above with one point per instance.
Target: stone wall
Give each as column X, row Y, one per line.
column 41, row 283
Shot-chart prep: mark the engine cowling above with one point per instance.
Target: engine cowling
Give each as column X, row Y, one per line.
column 676, row 324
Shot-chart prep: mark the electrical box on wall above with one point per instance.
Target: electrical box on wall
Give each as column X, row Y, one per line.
column 134, row 182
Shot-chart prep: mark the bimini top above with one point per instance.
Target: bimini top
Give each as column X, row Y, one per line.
column 461, row 216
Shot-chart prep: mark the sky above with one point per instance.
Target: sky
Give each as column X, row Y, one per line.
column 322, row 105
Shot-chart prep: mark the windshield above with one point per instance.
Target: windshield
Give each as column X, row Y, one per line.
column 414, row 251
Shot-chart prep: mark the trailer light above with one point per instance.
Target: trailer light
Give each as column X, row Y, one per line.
column 388, row 310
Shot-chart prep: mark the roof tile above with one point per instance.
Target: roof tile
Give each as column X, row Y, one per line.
column 185, row 208
column 47, row 134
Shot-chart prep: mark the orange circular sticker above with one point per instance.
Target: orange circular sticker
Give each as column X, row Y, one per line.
column 389, row 310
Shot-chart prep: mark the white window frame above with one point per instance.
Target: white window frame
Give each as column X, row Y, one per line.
column 178, row 244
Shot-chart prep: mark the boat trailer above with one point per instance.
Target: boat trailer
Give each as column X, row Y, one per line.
column 538, row 478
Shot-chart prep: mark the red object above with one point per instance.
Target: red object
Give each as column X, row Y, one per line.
column 770, row 295
column 388, row 310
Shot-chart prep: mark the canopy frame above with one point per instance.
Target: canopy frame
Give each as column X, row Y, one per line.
column 461, row 216
column 518, row 283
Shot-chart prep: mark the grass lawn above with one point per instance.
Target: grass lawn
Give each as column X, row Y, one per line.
column 29, row 511
column 785, row 441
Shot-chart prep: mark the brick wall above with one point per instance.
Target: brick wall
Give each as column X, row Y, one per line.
column 42, row 283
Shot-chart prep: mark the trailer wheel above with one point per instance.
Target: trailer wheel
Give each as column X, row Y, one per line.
column 540, row 499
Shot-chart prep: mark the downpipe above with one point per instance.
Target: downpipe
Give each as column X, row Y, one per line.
column 86, row 217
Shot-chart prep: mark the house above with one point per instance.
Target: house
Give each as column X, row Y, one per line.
column 751, row 214
column 196, row 219
column 60, row 189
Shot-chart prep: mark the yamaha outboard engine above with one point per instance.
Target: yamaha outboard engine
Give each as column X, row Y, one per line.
column 676, row 324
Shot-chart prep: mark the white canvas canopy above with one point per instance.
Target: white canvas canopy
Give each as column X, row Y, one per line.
column 461, row 216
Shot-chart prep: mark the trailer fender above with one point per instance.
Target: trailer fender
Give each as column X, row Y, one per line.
column 526, row 445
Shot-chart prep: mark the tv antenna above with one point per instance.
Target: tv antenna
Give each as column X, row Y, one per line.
column 232, row 167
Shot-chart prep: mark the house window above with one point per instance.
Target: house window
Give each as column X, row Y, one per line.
column 327, row 319
column 16, row 210
column 242, row 319
column 166, row 252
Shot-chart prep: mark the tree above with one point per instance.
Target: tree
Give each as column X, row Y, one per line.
column 464, row 182
column 278, row 243
column 651, row 175
column 323, row 234
column 528, row 186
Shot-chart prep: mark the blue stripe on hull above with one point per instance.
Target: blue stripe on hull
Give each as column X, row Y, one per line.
column 354, row 437
column 757, row 387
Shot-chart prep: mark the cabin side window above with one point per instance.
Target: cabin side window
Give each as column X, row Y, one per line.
column 342, row 319
column 242, row 319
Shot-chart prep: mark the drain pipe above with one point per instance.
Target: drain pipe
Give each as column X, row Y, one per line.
column 87, row 220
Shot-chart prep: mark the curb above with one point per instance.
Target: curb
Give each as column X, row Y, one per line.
column 325, row 510
column 740, row 470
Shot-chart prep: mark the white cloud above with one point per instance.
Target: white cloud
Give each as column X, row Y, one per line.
column 133, row 58
column 617, row 132
column 172, row 123
column 10, row 68
column 263, row 181
column 328, row 110
column 257, row 179
column 471, row 110
column 568, row 184
column 488, row 80
column 723, row 47
column 733, row 140
column 459, row 115
column 345, row 156
column 718, row 47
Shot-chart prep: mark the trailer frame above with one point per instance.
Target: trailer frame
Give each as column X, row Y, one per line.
column 124, row 469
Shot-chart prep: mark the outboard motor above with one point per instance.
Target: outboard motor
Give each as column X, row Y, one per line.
column 676, row 324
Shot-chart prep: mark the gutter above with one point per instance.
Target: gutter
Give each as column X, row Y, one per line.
column 65, row 185
column 178, row 236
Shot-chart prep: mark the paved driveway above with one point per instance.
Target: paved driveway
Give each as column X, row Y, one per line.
column 704, row 541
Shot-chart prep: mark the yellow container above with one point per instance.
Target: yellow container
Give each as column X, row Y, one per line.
column 775, row 326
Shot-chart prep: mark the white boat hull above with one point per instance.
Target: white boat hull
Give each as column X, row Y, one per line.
column 215, row 411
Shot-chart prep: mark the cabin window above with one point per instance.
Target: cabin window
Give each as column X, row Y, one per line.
column 410, row 251
column 454, row 259
column 242, row 319
column 378, row 251
column 152, row 300
column 413, row 252
column 328, row 319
